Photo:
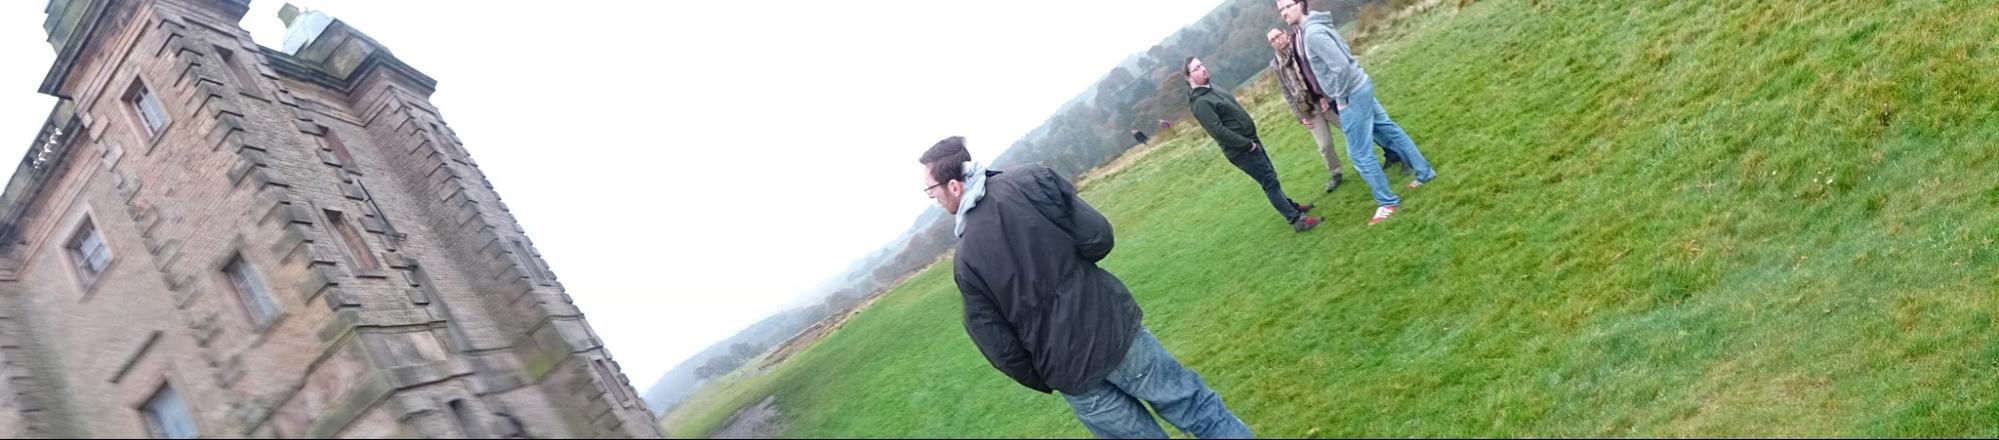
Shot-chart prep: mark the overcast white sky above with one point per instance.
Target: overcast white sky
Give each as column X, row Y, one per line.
column 687, row 167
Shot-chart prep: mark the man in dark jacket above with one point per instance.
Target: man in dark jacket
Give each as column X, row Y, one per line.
column 1041, row 311
column 1233, row 129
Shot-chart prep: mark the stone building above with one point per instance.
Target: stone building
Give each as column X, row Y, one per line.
column 219, row 239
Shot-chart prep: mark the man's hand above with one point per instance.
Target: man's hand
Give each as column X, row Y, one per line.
column 1307, row 122
column 1325, row 104
column 1255, row 145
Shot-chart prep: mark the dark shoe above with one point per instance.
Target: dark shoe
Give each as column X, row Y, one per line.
column 1335, row 183
column 1396, row 166
column 1305, row 224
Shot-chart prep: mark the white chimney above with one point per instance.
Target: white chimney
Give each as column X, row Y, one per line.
column 302, row 26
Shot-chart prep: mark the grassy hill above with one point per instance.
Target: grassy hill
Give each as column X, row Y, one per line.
column 1654, row 218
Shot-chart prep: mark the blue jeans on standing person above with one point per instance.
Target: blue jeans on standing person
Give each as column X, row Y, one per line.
column 1366, row 123
column 1111, row 408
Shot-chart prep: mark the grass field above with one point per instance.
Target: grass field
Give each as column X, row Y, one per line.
column 1654, row 218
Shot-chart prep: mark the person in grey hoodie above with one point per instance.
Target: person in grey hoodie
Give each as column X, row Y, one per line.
column 1312, row 108
column 1362, row 119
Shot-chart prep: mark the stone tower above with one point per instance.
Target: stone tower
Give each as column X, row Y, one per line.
column 214, row 238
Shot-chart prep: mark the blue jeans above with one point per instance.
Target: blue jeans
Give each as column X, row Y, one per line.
column 1366, row 123
column 1111, row 409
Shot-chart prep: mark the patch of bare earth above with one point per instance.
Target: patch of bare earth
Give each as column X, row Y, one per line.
column 756, row 421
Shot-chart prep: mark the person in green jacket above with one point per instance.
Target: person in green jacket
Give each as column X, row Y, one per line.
column 1232, row 128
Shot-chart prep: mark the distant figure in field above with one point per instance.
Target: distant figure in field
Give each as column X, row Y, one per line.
column 1165, row 125
column 1309, row 105
column 1041, row 311
column 1333, row 67
column 1232, row 128
column 1140, row 136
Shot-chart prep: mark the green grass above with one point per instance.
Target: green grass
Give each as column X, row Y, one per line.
column 1655, row 218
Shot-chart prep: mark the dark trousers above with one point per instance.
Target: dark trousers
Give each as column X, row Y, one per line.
column 1257, row 165
column 1389, row 159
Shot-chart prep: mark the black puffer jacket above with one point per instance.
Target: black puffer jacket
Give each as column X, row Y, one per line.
column 1036, row 303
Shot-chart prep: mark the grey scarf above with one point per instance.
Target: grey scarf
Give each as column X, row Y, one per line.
column 975, row 189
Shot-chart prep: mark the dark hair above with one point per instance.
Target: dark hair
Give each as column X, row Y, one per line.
column 946, row 160
column 1188, row 71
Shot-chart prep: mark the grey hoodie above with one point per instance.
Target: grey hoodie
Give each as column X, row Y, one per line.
column 1331, row 60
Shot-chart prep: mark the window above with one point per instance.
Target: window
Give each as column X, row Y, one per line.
column 339, row 148
column 167, row 416
column 250, row 289
column 87, row 250
column 357, row 249
column 616, row 387
column 244, row 80
column 151, row 114
column 527, row 260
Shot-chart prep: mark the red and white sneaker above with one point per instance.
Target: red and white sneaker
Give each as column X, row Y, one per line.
column 1305, row 223
column 1381, row 213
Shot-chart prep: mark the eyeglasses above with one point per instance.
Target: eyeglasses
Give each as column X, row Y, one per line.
column 926, row 191
column 1281, row 6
